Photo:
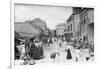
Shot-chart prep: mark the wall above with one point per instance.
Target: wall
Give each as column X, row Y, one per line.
column 60, row 28
column 91, row 25
column 91, row 15
column 76, row 24
column 84, row 23
column 87, row 25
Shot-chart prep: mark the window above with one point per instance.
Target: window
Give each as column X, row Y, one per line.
column 71, row 27
column 68, row 28
column 84, row 21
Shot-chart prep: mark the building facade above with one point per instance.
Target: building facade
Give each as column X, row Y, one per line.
column 60, row 29
column 81, row 24
column 87, row 24
column 76, row 21
column 69, row 28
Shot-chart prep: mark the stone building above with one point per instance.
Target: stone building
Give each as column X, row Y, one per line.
column 69, row 28
column 87, row 24
column 60, row 29
column 81, row 24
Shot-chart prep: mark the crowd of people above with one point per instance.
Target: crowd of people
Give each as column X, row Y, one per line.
column 54, row 47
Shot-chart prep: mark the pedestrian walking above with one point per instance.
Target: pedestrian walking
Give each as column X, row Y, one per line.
column 53, row 56
column 69, row 55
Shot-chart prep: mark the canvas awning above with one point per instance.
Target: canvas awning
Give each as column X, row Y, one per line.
column 25, row 29
column 17, row 36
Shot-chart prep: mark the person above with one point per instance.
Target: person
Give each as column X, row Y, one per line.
column 17, row 55
column 55, row 54
column 86, row 54
column 36, row 52
column 60, row 42
column 22, row 51
column 69, row 55
column 77, row 54
column 64, row 43
column 56, row 45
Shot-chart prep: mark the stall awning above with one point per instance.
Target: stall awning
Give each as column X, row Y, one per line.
column 25, row 29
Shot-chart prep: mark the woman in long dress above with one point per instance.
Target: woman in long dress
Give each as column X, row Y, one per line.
column 69, row 55
column 55, row 55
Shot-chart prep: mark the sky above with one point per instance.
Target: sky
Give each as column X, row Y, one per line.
column 52, row 15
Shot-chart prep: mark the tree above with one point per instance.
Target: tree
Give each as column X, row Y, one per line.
column 39, row 24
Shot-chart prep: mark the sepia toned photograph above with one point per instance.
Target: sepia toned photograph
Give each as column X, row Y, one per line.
column 52, row 34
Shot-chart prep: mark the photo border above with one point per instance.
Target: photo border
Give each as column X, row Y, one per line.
column 12, row 3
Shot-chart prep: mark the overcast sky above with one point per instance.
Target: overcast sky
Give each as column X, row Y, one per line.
column 53, row 15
